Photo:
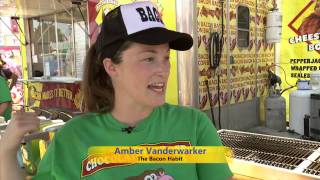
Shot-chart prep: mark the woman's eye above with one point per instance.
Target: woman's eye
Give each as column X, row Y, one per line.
column 149, row 59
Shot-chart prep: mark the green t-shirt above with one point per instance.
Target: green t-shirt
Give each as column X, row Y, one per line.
column 5, row 96
column 166, row 125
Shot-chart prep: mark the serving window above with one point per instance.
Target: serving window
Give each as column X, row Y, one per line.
column 243, row 31
column 58, row 44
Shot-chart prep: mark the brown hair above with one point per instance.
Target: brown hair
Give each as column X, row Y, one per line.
column 97, row 87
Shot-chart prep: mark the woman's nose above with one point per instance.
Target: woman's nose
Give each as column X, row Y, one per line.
column 163, row 68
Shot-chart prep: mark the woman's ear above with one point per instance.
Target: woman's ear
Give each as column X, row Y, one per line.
column 109, row 66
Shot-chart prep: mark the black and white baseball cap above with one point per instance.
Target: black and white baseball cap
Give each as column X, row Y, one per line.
column 138, row 22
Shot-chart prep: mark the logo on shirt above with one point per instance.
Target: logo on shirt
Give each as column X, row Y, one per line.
column 158, row 174
column 92, row 164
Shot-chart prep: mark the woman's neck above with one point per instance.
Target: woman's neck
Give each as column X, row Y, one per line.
column 130, row 115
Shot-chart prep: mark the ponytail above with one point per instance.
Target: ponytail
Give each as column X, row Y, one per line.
column 97, row 87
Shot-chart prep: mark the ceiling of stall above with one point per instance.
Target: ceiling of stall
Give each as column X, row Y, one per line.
column 31, row 8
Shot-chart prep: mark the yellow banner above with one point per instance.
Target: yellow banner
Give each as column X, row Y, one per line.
column 300, row 47
column 159, row 154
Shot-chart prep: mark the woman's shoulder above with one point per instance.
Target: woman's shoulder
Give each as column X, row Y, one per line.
column 81, row 121
column 183, row 113
column 178, row 109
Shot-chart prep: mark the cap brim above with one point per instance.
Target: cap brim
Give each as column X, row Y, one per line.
column 156, row 36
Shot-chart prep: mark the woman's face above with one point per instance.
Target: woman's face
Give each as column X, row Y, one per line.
column 141, row 78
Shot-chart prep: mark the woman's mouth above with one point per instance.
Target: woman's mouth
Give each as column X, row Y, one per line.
column 158, row 87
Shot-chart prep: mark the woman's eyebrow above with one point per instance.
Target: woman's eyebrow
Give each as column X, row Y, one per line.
column 148, row 50
column 152, row 51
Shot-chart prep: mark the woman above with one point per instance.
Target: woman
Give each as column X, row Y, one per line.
column 125, row 79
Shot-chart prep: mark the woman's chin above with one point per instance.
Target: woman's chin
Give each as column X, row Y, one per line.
column 157, row 103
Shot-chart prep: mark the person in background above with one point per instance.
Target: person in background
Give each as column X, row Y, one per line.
column 7, row 74
column 5, row 96
column 5, row 99
column 124, row 86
